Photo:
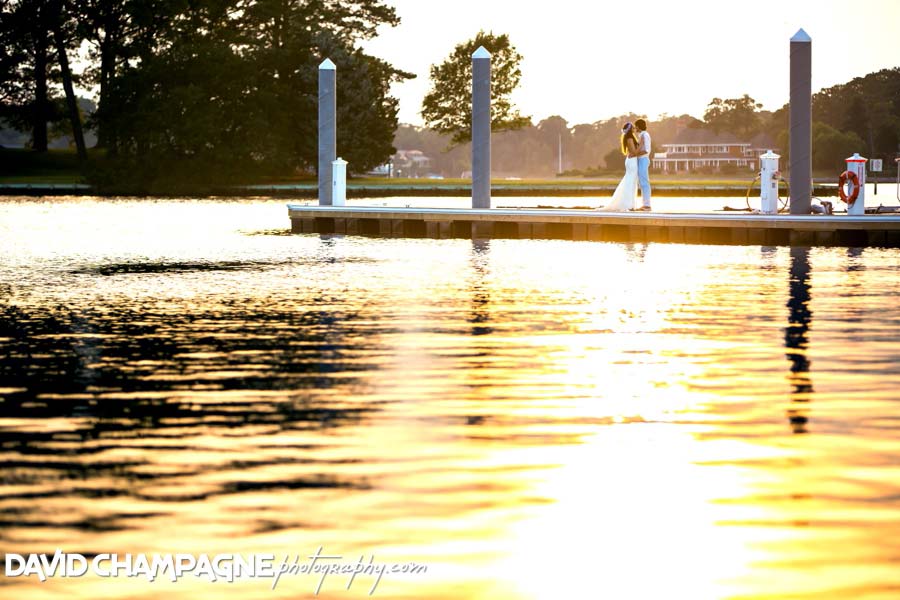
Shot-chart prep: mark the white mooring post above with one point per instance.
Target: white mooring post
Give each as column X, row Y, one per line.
column 481, row 128
column 897, row 160
column 339, row 176
column 801, row 123
column 768, row 182
column 857, row 164
column 327, row 129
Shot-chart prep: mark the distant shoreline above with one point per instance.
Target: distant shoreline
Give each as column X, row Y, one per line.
column 383, row 190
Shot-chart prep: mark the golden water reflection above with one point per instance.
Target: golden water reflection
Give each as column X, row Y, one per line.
column 531, row 419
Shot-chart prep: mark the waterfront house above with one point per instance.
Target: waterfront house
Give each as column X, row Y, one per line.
column 695, row 149
column 411, row 163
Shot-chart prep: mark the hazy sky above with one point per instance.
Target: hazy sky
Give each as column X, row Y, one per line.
column 589, row 60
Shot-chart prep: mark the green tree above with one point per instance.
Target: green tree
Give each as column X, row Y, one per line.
column 447, row 105
column 583, row 152
column 734, row 115
column 28, row 68
column 228, row 90
column 831, row 147
column 367, row 114
column 868, row 106
column 63, row 35
column 120, row 34
column 591, row 142
column 181, row 113
column 13, row 59
column 614, row 160
column 555, row 132
column 285, row 40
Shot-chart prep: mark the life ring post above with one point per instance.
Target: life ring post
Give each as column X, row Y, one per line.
column 856, row 174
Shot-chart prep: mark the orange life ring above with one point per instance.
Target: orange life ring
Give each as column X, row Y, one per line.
column 842, row 181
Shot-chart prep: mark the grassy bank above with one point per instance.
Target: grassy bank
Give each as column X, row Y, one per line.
column 26, row 166
column 556, row 182
column 60, row 167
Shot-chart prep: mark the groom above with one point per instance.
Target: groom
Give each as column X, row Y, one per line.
column 643, row 162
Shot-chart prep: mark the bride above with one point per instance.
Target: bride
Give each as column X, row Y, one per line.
column 624, row 197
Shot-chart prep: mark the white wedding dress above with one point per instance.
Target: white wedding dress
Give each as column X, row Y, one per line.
column 624, row 197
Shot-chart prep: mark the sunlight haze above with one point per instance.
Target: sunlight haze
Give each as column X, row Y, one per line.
column 587, row 60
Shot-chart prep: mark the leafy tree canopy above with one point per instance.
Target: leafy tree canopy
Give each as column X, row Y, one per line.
column 739, row 116
column 447, row 107
column 228, row 89
column 866, row 106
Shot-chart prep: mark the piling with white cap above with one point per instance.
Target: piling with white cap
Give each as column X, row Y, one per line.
column 801, row 123
column 327, row 130
column 857, row 164
column 481, row 128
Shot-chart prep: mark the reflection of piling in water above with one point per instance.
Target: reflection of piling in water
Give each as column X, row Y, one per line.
column 796, row 338
column 636, row 252
column 164, row 382
column 480, row 318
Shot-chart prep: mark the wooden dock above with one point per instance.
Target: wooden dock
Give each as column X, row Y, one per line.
column 574, row 224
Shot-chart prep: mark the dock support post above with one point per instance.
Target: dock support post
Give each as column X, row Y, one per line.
column 327, row 130
column 481, row 128
column 801, row 124
column 482, row 230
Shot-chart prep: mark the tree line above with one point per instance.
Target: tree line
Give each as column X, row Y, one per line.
column 198, row 91
column 225, row 90
column 862, row 116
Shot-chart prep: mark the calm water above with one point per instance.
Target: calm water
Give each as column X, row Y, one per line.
column 529, row 419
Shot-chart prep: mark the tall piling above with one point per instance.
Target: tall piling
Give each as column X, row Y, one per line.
column 481, row 128
column 327, row 130
column 801, row 124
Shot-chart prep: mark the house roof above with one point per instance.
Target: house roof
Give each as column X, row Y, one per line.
column 697, row 155
column 704, row 136
column 762, row 141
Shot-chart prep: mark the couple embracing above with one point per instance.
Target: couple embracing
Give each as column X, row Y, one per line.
column 636, row 148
